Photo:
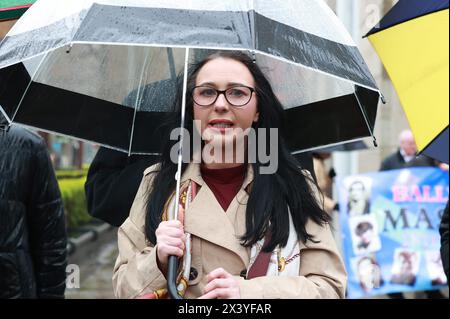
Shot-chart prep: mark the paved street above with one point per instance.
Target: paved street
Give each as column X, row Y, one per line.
column 95, row 263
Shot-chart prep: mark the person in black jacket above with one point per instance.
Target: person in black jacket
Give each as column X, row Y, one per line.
column 114, row 178
column 405, row 156
column 112, row 183
column 33, row 239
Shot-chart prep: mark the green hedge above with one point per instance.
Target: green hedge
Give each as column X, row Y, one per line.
column 63, row 174
column 72, row 191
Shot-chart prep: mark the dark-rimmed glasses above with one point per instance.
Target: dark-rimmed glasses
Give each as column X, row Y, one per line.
column 237, row 96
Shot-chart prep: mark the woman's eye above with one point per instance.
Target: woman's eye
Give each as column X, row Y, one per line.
column 237, row 92
column 208, row 92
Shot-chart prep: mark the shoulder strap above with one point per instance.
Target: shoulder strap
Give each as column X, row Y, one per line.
column 261, row 263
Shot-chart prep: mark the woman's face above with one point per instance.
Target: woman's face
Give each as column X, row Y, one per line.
column 368, row 274
column 221, row 120
column 356, row 192
column 367, row 236
column 406, row 266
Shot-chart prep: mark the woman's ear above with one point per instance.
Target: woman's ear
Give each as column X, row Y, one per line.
column 256, row 118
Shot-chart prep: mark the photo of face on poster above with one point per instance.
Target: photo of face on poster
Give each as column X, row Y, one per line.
column 364, row 233
column 435, row 268
column 368, row 272
column 405, row 267
column 358, row 196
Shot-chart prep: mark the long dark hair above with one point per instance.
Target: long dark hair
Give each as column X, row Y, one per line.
column 271, row 195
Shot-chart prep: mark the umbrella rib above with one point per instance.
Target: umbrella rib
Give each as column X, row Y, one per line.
column 136, row 103
column 366, row 120
column 251, row 21
column 5, row 115
column 28, row 86
column 327, row 145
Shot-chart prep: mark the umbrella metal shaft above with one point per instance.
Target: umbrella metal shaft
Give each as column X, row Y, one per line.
column 180, row 150
column 173, row 261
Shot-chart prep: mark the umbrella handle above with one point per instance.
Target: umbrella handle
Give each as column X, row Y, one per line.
column 172, row 277
column 173, row 261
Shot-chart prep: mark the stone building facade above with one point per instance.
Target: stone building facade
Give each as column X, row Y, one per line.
column 359, row 16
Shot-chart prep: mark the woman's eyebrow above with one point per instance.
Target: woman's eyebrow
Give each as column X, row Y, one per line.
column 229, row 84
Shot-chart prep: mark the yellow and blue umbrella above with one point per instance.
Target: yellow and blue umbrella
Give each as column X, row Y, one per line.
column 412, row 41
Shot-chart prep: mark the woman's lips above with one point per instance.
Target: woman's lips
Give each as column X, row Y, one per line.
column 220, row 125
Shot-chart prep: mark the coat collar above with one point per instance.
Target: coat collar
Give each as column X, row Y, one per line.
column 192, row 172
column 206, row 219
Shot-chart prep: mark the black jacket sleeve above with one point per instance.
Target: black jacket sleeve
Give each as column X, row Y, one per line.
column 47, row 229
column 112, row 183
column 391, row 162
column 384, row 165
column 443, row 230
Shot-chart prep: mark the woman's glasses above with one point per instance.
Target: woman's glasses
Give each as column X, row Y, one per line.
column 236, row 96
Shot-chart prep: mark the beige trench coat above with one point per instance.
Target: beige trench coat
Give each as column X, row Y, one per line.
column 216, row 244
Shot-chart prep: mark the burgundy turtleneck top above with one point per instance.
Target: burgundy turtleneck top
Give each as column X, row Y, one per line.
column 224, row 182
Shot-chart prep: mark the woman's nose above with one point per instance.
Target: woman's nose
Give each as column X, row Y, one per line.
column 221, row 103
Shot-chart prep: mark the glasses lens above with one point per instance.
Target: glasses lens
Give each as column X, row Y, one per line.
column 238, row 95
column 204, row 95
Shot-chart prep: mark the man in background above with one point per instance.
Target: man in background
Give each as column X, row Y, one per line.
column 405, row 156
column 33, row 239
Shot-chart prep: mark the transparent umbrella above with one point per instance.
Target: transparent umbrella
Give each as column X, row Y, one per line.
column 105, row 71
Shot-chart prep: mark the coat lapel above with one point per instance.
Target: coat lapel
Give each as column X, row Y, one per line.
column 206, row 219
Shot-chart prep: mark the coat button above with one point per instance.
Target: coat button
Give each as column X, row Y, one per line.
column 193, row 273
column 244, row 273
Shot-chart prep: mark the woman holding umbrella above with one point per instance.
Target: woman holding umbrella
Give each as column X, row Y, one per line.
column 240, row 233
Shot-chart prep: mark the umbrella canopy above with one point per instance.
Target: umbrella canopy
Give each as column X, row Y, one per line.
column 412, row 40
column 94, row 69
column 13, row 9
column 346, row 147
